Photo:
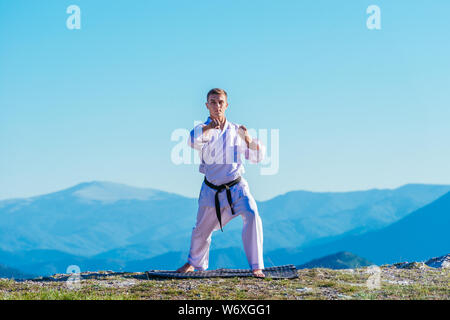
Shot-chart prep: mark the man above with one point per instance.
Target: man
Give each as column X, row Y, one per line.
column 224, row 194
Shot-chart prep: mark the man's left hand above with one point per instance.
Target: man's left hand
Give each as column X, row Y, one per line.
column 243, row 133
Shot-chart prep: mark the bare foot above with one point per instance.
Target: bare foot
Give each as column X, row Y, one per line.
column 185, row 268
column 258, row 273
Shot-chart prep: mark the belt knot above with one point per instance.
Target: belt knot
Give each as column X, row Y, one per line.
column 218, row 189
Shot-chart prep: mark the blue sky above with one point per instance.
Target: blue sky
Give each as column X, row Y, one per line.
column 355, row 108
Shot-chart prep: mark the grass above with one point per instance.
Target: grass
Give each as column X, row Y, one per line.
column 311, row 284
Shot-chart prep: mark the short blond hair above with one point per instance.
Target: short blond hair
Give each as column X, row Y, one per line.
column 216, row 91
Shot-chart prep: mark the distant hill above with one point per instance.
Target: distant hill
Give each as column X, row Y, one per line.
column 299, row 218
column 11, row 273
column 340, row 260
column 94, row 217
column 421, row 234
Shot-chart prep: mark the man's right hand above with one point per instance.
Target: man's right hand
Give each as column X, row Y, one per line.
column 214, row 124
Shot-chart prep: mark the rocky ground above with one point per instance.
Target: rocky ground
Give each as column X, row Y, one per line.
column 399, row 281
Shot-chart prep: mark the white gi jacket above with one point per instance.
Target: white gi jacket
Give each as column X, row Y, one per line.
column 220, row 152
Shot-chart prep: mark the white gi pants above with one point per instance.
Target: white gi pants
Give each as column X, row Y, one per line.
column 244, row 205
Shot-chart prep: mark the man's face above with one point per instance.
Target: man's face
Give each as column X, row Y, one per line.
column 217, row 104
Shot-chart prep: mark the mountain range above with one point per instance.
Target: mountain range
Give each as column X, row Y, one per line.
column 11, row 273
column 422, row 234
column 113, row 226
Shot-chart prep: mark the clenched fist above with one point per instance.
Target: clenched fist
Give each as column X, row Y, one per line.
column 243, row 133
column 214, row 124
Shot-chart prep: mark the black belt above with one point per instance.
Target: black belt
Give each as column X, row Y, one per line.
column 216, row 197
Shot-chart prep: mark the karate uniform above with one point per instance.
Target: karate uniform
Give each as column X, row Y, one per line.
column 220, row 152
